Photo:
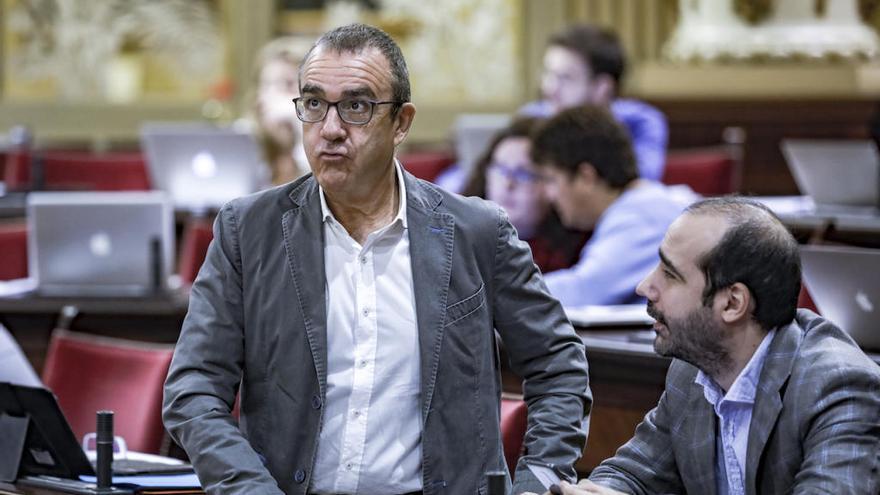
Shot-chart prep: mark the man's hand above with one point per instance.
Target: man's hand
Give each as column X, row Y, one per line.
column 584, row 487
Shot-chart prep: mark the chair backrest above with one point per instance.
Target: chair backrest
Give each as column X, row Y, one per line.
column 13, row 245
column 708, row 171
column 89, row 373
column 805, row 300
column 514, row 418
column 197, row 236
column 82, row 170
column 17, row 170
column 426, row 165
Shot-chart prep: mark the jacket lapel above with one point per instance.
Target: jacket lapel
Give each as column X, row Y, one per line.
column 699, row 432
column 304, row 243
column 431, row 236
column 768, row 399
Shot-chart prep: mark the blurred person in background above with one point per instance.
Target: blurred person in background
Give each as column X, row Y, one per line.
column 585, row 64
column 590, row 175
column 506, row 175
column 273, row 117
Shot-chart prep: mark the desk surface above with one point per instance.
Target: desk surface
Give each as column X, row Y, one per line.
column 170, row 304
column 800, row 212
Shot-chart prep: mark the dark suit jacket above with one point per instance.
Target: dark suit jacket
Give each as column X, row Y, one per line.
column 258, row 316
column 815, row 426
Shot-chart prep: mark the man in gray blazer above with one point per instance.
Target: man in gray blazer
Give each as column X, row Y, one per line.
column 761, row 398
column 355, row 309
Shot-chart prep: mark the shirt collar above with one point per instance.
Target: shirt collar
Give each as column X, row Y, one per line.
column 746, row 384
column 326, row 214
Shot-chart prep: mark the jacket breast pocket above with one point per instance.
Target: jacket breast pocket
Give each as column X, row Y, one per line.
column 466, row 307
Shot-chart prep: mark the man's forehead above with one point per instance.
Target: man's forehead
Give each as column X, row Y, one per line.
column 691, row 236
column 329, row 70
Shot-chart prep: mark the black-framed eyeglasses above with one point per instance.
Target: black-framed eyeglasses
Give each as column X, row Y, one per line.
column 356, row 111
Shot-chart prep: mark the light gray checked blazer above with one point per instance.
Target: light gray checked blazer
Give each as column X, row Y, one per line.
column 815, row 427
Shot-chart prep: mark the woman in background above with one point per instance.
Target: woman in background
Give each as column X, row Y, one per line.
column 506, row 175
column 274, row 117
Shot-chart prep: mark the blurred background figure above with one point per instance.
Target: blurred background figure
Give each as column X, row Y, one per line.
column 506, row 175
column 585, row 64
column 274, row 118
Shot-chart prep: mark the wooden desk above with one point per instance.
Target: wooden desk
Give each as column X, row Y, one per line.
column 30, row 318
column 626, row 378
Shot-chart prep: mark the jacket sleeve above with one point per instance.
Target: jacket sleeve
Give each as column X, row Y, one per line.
column 206, row 372
column 646, row 463
column 841, row 446
column 545, row 351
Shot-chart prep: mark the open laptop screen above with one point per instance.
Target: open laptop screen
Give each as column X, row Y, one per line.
column 835, row 172
column 100, row 243
column 201, row 166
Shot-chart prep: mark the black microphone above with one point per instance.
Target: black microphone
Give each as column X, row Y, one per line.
column 496, row 481
column 104, row 446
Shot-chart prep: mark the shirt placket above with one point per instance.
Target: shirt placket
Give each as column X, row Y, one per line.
column 728, row 417
column 365, row 332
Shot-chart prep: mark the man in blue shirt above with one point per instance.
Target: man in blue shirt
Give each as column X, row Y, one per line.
column 584, row 64
column 588, row 163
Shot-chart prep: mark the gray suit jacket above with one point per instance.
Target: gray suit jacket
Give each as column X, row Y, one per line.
column 258, row 314
column 815, row 425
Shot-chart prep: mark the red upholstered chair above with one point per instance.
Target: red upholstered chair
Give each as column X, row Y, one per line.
column 197, row 236
column 805, row 300
column 17, row 170
column 513, row 428
column 89, row 373
column 708, row 171
column 13, row 246
column 82, row 170
column 426, row 165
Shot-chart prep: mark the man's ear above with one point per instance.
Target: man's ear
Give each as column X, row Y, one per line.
column 736, row 305
column 403, row 121
column 604, row 89
column 587, row 174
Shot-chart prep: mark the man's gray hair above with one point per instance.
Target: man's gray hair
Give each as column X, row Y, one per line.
column 354, row 38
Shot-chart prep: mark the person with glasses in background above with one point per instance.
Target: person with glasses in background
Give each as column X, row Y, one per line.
column 506, row 175
column 355, row 311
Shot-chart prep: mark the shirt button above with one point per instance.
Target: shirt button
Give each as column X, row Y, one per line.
column 363, row 363
column 348, row 466
column 366, row 312
column 363, row 259
column 316, row 402
column 357, row 414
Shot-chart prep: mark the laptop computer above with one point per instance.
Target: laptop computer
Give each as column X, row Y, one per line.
column 835, row 172
column 38, row 441
column 100, row 243
column 473, row 132
column 843, row 282
column 200, row 166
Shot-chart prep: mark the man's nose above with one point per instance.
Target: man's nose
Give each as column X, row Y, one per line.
column 332, row 127
column 646, row 287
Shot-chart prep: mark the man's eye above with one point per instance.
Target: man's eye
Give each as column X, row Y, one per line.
column 356, row 105
column 313, row 103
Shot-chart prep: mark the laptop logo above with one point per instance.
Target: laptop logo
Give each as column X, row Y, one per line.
column 864, row 302
column 100, row 245
column 203, row 165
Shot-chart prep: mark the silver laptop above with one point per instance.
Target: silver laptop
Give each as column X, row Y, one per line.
column 835, row 172
column 473, row 132
column 100, row 243
column 845, row 285
column 202, row 166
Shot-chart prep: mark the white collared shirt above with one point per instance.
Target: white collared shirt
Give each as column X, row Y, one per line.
column 370, row 439
column 734, row 412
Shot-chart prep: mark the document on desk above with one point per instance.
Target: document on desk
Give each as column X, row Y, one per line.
column 167, row 481
column 623, row 315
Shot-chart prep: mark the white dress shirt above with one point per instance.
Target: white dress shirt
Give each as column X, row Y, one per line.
column 370, row 439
